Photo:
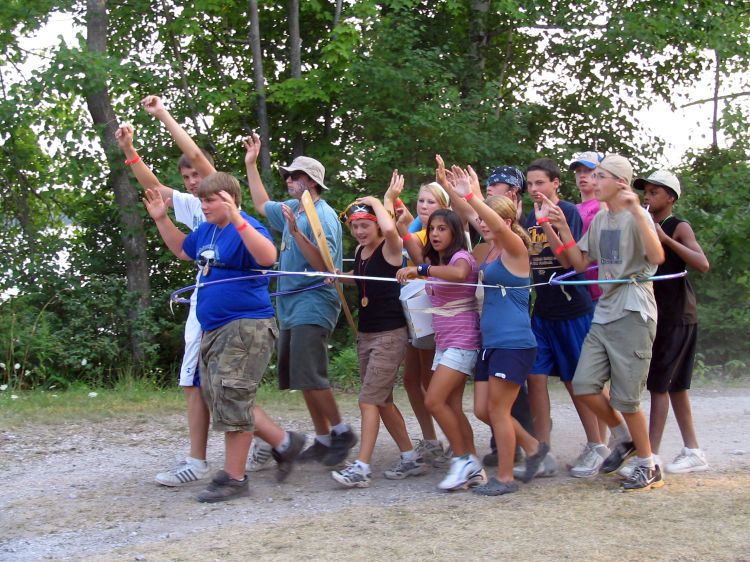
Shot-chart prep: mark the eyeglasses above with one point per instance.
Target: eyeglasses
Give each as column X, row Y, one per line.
column 600, row 176
column 295, row 175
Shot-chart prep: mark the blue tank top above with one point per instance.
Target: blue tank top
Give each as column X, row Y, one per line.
column 505, row 321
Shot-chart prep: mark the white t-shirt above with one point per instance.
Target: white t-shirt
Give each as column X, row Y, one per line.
column 188, row 211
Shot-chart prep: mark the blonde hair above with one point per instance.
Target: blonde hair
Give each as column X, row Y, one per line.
column 220, row 181
column 437, row 191
column 506, row 209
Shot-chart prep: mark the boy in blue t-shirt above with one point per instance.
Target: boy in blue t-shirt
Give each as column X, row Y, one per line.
column 239, row 328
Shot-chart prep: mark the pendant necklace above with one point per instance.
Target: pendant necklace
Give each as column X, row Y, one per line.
column 207, row 265
column 362, row 271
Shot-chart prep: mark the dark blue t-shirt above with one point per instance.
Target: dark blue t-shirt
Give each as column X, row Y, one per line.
column 227, row 257
column 551, row 300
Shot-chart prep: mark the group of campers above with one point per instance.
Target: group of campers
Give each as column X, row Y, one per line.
column 606, row 332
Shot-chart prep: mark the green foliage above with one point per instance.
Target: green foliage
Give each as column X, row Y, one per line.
column 343, row 369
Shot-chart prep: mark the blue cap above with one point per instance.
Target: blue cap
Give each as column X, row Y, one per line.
column 508, row 175
column 589, row 159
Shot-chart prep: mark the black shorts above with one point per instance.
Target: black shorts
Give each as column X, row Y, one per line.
column 303, row 358
column 672, row 358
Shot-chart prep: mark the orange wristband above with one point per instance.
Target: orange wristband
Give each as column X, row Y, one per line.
column 133, row 161
column 407, row 237
column 242, row 227
column 542, row 220
column 564, row 247
column 469, row 196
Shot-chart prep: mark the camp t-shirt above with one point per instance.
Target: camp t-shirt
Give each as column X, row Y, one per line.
column 556, row 302
column 223, row 303
column 320, row 306
column 614, row 240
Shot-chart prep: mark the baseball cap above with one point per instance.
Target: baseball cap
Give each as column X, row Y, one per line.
column 310, row 166
column 661, row 178
column 509, row 175
column 588, row 159
column 618, row 166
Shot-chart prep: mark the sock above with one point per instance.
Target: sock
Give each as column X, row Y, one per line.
column 646, row 461
column 621, row 433
column 284, row 445
column 433, row 441
column 197, row 462
column 324, row 440
column 409, row 455
column 363, row 465
column 340, row 428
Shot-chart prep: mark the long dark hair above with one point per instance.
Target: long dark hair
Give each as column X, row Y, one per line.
column 456, row 227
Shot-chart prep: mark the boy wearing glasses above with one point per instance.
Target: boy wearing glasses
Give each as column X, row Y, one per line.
column 618, row 347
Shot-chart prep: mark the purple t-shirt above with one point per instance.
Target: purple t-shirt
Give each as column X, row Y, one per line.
column 461, row 330
column 588, row 210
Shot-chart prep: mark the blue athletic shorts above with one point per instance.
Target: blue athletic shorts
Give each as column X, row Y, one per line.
column 559, row 345
column 512, row 365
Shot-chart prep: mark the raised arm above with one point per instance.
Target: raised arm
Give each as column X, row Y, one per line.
column 172, row 236
column 155, row 107
column 142, row 172
column 257, row 189
column 565, row 244
column 651, row 245
column 685, row 246
column 393, row 243
column 261, row 248
column 309, row 250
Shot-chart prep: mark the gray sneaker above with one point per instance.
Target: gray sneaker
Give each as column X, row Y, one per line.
column 352, row 476
column 223, row 487
column 428, row 450
column 260, row 456
column 589, row 461
column 547, row 469
column 534, row 462
column 404, row 468
column 443, row 460
column 285, row 461
column 496, row 488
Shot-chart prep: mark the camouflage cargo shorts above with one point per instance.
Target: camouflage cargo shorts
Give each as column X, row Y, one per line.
column 233, row 360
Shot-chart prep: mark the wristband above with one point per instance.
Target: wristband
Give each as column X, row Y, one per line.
column 398, row 203
column 133, row 161
column 542, row 220
column 564, row 247
column 407, row 237
column 469, row 196
column 423, row 269
column 242, row 227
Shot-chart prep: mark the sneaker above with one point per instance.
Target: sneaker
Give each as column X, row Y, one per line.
column 547, row 469
column 443, row 460
column 496, row 488
column 341, row 444
column 689, row 460
column 643, row 478
column 588, row 462
column 285, row 461
column 352, row 476
column 534, row 462
column 627, row 469
column 315, row 452
column 428, row 450
column 620, row 453
column 186, row 471
column 260, row 456
column 490, row 459
column 404, row 468
column 463, row 472
column 223, row 488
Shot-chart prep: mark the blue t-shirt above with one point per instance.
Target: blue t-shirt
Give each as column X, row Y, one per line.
column 556, row 302
column 505, row 321
column 319, row 306
column 227, row 258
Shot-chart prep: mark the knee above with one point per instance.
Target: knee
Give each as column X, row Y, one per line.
column 482, row 414
column 433, row 404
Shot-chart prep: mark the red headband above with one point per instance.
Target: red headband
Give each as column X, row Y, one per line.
column 362, row 216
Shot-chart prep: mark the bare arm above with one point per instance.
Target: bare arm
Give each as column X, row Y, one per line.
column 260, row 247
column 458, row 272
column 651, row 245
column 172, row 236
column 155, row 107
column 577, row 259
column 685, row 245
column 393, row 243
column 257, row 189
column 309, row 250
column 142, row 172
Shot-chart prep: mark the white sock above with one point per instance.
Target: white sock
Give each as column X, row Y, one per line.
column 363, row 465
column 324, row 439
column 340, row 428
column 646, row 461
column 284, row 445
column 197, row 462
column 409, row 455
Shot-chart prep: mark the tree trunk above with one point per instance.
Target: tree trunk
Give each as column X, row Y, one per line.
column 131, row 225
column 478, row 39
column 295, row 59
column 260, row 89
column 715, row 117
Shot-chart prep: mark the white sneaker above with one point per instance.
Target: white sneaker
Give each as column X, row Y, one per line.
column 352, row 476
column 547, row 469
column 689, row 460
column 626, row 470
column 186, row 471
column 588, row 462
column 260, row 456
column 463, row 473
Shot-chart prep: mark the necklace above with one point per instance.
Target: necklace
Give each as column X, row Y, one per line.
column 210, row 260
column 362, row 271
column 665, row 219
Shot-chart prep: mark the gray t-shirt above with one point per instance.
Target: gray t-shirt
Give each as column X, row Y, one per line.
column 616, row 243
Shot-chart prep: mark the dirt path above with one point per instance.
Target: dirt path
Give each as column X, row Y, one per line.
column 83, row 491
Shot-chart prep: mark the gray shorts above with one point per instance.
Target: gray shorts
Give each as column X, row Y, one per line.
column 303, row 358
column 619, row 352
column 233, row 360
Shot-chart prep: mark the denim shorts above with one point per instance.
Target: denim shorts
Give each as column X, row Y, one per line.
column 461, row 360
